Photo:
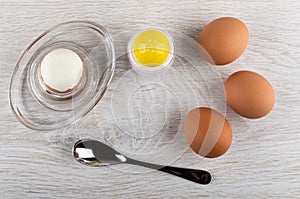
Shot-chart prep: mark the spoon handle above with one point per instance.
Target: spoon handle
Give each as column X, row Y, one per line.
column 195, row 175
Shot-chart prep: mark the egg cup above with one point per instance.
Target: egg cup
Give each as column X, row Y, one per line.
column 41, row 108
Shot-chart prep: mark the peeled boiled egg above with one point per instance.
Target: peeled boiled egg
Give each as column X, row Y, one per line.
column 207, row 132
column 61, row 70
column 224, row 40
column 249, row 94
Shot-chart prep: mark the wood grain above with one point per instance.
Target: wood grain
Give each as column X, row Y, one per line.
column 264, row 159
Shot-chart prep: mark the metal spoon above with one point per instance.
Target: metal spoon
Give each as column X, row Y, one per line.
column 95, row 153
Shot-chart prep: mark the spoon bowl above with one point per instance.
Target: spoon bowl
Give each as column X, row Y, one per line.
column 95, row 153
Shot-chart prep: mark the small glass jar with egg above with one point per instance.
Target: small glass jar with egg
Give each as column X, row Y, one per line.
column 151, row 50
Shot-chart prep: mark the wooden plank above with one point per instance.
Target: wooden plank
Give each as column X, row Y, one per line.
column 264, row 159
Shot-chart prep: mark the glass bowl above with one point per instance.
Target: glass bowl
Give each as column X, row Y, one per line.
column 142, row 116
column 42, row 109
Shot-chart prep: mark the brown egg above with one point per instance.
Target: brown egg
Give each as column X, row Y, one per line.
column 224, row 39
column 207, row 132
column 249, row 94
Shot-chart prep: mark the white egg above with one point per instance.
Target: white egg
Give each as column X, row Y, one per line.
column 61, row 70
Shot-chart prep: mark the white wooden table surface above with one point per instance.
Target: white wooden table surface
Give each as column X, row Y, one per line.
column 264, row 159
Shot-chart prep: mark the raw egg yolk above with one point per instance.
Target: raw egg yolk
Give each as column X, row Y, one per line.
column 151, row 48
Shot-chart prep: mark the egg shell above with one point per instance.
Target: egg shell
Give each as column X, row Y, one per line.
column 224, row 39
column 249, row 94
column 207, row 132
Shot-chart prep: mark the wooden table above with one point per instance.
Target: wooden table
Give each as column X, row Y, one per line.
column 264, row 159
